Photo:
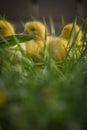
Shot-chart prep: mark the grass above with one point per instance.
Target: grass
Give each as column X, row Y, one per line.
column 42, row 96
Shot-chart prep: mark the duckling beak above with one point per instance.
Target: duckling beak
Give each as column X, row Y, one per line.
column 22, row 33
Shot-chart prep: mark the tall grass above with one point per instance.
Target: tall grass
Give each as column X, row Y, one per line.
column 42, row 96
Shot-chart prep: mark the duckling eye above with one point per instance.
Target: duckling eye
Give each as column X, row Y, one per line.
column 32, row 29
column 0, row 28
column 65, row 29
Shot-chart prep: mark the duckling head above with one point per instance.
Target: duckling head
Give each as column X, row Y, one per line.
column 35, row 27
column 67, row 30
column 6, row 28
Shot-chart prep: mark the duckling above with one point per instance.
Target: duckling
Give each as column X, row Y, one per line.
column 73, row 34
column 57, row 47
column 35, row 47
column 6, row 28
column 66, row 31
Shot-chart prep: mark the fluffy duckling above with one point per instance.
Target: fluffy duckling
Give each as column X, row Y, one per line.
column 73, row 34
column 6, row 28
column 65, row 33
column 57, row 47
column 34, row 48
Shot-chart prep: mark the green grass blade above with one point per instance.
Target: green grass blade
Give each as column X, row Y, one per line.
column 14, row 39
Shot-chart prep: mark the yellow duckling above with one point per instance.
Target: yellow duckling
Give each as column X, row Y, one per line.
column 65, row 33
column 34, row 48
column 6, row 28
column 73, row 34
column 57, row 47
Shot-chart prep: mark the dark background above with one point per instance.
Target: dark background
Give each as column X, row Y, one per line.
column 20, row 11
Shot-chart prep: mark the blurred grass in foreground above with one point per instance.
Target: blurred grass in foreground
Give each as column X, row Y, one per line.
column 43, row 96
